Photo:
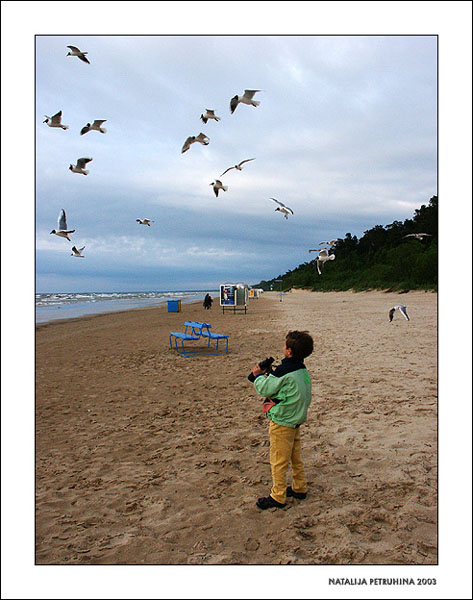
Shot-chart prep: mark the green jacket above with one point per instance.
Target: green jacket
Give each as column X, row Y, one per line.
column 290, row 387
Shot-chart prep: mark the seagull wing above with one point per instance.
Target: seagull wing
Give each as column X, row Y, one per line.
column 402, row 310
column 81, row 162
column 98, row 122
column 233, row 103
column 187, row 144
column 61, row 221
column 74, row 249
column 81, row 249
column 84, row 130
column 391, row 314
column 229, row 169
column 250, row 93
column 245, row 161
column 56, row 118
column 277, row 202
column 74, row 48
column 319, row 266
column 202, row 138
column 313, row 250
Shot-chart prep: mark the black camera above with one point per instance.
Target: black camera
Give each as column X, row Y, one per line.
column 265, row 365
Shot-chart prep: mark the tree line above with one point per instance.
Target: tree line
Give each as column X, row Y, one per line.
column 383, row 258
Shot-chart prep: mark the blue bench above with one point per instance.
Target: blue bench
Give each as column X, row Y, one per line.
column 215, row 336
column 193, row 332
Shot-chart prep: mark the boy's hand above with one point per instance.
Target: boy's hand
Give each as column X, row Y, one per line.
column 257, row 370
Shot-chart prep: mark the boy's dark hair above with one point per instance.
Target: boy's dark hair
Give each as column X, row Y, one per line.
column 301, row 344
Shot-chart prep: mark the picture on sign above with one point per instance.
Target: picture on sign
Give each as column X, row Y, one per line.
column 228, row 294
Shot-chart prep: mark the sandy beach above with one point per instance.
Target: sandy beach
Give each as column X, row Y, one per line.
column 147, row 457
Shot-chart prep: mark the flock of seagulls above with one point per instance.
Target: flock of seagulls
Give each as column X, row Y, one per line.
column 56, row 121
column 247, row 98
column 209, row 114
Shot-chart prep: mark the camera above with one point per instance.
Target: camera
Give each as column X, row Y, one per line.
column 265, row 365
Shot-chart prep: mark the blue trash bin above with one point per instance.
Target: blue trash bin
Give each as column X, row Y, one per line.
column 174, row 306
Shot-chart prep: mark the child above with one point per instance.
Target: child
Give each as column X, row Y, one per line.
column 288, row 394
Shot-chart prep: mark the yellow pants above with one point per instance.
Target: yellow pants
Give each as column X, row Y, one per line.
column 285, row 448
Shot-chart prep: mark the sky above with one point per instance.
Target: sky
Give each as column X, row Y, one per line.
column 345, row 135
column 340, row 169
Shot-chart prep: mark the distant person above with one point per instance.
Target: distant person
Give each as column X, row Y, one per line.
column 288, row 392
column 208, row 302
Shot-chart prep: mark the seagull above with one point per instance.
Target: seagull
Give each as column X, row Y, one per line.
column 401, row 308
column 76, row 52
column 62, row 230
column 282, row 208
column 322, row 258
column 418, row 236
column 331, row 243
column 55, row 121
column 79, row 166
column 238, row 166
column 209, row 114
column 201, row 138
column 218, row 185
column 76, row 252
column 247, row 98
column 144, row 222
column 96, row 126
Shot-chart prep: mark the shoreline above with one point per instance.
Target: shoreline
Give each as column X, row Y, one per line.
column 147, row 457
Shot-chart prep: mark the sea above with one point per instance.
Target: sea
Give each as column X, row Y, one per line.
column 54, row 306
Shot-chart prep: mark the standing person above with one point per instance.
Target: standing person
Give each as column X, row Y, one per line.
column 208, row 301
column 288, row 393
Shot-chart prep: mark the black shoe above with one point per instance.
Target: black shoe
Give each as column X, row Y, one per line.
column 298, row 495
column 268, row 502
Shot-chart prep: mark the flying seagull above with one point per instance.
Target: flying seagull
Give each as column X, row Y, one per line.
column 247, row 98
column 76, row 252
column 209, row 114
column 62, row 230
column 238, row 166
column 96, row 126
column 144, row 222
column 330, row 243
column 218, row 185
column 418, row 236
column 282, row 208
column 79, row 166
column 401, row 308
column 55, row 121
column 76, row 52
column 201, row 138
column 322, row 258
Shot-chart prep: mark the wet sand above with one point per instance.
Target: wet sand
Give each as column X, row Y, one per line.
column 147, row 457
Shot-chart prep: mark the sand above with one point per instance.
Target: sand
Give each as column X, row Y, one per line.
column 147, row 457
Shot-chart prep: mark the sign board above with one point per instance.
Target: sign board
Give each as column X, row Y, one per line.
column 233, row 295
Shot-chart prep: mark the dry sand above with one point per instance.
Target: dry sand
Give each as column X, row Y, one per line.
column 143, row 456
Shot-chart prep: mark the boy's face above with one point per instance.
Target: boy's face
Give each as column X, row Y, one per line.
column 287, row 351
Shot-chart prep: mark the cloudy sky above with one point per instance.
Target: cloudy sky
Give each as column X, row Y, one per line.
column 345, row 135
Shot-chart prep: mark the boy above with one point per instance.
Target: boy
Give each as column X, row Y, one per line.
column 288, row 394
